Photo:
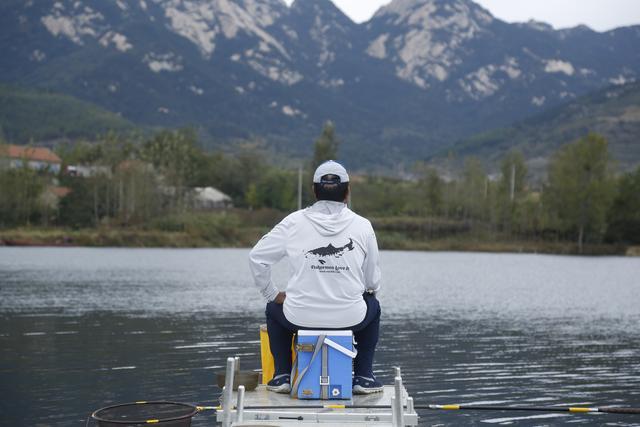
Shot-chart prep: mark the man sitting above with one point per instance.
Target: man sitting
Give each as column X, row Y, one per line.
column 333, row 254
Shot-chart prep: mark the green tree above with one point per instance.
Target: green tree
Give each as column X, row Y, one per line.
column 95, row 188
column 511, row 189
column 77, row 209
column 473, row 191
column 428, row 199
column 112, row 150
column 174, row 154
column 137, row 192
column 4, row 160
column 78, row 153
column 251, row 197
column 326, row 146
column 513, row 175
column 379, row 196
column 277, row 190
column 580, row 188
column 209, row 170
column 624, row 215
column 434, row 192
column 20, row 191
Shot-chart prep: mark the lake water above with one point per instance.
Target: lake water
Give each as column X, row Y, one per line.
column 85, row 328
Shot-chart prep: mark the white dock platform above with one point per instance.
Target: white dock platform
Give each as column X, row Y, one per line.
column 261, row 407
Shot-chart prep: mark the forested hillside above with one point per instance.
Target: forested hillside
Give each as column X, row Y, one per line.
column 35, row 115
column 613, row 112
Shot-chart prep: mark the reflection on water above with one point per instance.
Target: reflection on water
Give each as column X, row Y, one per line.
column 85, row 328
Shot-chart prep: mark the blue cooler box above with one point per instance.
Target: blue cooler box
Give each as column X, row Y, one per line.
column 337, row 353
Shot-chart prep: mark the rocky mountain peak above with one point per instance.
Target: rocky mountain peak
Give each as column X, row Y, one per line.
column 203, row 22
column 435, row 14
column 266, row 12
column 537, row 25
column 321, row 26
column 319, row 14
column 424, row 37
column 316, row 6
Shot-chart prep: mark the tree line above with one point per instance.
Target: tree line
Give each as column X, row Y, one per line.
column 135, row 181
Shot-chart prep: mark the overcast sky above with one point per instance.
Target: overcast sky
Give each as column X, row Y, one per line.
column 601, row 15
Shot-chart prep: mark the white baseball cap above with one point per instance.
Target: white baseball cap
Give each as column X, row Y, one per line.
column 330, row 167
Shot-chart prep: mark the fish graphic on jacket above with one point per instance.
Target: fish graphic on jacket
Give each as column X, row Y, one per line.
column 330, row 250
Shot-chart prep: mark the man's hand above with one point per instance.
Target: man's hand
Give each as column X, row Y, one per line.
column 279, row 299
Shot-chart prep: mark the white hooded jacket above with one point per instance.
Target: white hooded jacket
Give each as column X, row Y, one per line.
column 333, row 254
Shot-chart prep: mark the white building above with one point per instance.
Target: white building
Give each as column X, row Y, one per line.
column 87, row 171
column 38, row 158
column 210, row 198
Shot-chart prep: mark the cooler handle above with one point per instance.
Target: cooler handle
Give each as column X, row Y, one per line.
column 341, row 349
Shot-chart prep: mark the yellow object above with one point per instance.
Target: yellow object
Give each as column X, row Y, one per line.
column 268, row 367
column 451, row 407
column 335, row 406
column 580, row 409
column 141, row 402
column 153, row 421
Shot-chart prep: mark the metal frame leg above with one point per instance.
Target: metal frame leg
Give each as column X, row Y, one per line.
column 227, row 393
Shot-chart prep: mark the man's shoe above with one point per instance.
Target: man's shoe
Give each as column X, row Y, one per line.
column 366, row 385
column 280, row 384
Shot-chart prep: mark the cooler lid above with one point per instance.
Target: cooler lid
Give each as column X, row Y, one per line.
column 306, row 333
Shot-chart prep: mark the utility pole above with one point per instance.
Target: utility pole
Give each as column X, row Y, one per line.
column 299, row 187
column 513, row 182
column 486, row 186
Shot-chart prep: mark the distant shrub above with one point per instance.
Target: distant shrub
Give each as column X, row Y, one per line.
column 217, row 228
column 170, row 223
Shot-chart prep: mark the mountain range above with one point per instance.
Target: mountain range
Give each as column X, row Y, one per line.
column 415, row 78
column 613, row 112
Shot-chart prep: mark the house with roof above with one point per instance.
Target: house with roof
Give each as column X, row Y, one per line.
column 37, row 158
column 52, row 195
column 205, row 198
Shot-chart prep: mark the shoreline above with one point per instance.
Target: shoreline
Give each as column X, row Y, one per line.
column 246, row 238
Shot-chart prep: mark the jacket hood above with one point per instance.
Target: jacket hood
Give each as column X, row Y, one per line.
column 329, row 218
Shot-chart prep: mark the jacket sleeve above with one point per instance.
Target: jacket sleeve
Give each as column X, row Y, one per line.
column 371, row 267
column 268, row 251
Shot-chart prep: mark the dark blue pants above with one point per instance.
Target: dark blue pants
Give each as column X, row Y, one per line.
column 366, row 334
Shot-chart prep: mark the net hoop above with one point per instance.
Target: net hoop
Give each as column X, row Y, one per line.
column 96, row 414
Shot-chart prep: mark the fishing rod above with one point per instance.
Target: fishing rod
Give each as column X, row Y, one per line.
column 583, row 410
column 602, row 409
